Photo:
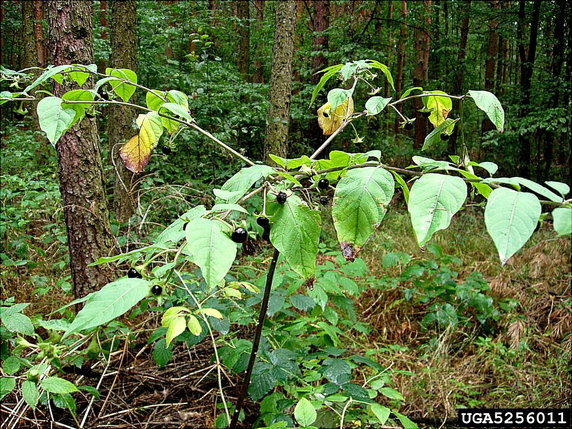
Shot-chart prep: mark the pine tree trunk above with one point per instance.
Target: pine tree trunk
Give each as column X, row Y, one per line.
column 243, row 15
column 30, row 57
column 490, row 62
column 79, row 157
column 39, row 32
column 320, row 42
column 421, row 71
column 281, row 79
column 120, row 130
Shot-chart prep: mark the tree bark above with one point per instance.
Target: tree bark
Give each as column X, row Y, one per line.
column 491, row 59
column 320, row 41
column 526, row 69
column 258, row 75
column 30, row 56
column 421, row 71
column 104, row 8
column 243, row 15
column 79, row 157
column 401, row 58
column 39, row 32
column 123, row 55
column 281, row 80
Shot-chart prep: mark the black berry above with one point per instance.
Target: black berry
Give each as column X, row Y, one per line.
column 166, row 149
column 324, row 200
column 157, row 290
column 239, row 235
column 263, row 222
column 408, row 125
column 445, row 136
column 185, row 226
column 323, row 184
column 281, row 197
column 134, row 274
column 104, row 95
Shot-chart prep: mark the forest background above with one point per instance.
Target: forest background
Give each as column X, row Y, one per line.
column 220, row 54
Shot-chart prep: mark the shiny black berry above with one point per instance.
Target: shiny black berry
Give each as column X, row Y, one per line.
column 263, row 222
column 239, row 235
column 157, row 290
column 324, row 200
column 408, row 125
column 166, row 149
column 445, row 136
column 323, row 184
column 281, row 197
column 134, row 274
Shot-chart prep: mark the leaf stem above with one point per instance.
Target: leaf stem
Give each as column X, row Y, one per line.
column 257, row 337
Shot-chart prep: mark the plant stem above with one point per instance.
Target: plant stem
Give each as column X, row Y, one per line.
column 257, row 337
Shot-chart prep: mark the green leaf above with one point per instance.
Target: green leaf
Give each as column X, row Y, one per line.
column 434, row 137
column 113, row 300
column 296, row 233
column 237, row 186
column 175, row 327
column 79, row 74
column 391, row 393
column 122, row 89
column 302, row 302
column 360, row 202
column 384, row 69
column 17, row 322
column 57, row 385
column 228, row 207
column 175, row 232
column 6, row 96
column 11, row 365
column 328, row 73
column 78, row 95
column 405, row 421
column 50, row 71
column 30, row 393
column 7, row 384
column 545, row 192
column 562, row 188
column 489, row 103
column 403, row 185
column 161, row 353
column 410, row 90
column 337, row 371
column 305, row 413
column 178, row 110
column 562, row 217
column 433, row 201
column 511, row 218
column 194, row 325
column 439, row 106
column 154, row 100
column 376, row 104
column 337, row 97
column 210, row 248
column 380, row 412
column 54, row 118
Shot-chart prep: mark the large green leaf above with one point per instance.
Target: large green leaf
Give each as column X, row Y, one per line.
column 433, row 201
column 439, row 106
column 305, row 413
column 50, row 72
column 562, row 217
column 359, row 203
column 337, row 97
column 58, row 385
column 30, row 393
column 511, row 217
column 328, row 73
column 54, row 118
column 17, row 322
column 384, row 69
column 533, row 186
column 210, row 248
column 490, row 104
column 376, row 104
column 113, row 300
column 78, row 95
column 434, row 137
column 296, row 233
column 235, row 187
column 123, row 89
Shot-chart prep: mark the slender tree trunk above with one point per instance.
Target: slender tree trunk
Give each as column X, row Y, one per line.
column 401, row 57
column 243, row 15
column 490, row 62
column 30, row 57
column 120, row 130
column 320, row 42
column 421, row 71
column 258, row 75
column 39, row 32
column 79, row 157
column 526, row 69
column 458, row 82
column 391, row 43
column 104, row 8
column 281, row 80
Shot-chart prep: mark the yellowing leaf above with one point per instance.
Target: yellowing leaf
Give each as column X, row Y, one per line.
column 212, row 312
column 176, row 328
column 137, row 152
column 170, row 314
column 329, row 121
column 194, row 325
column 439, row 106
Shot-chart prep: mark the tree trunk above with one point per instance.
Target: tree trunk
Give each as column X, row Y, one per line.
column 459, row 80
column 79, row 157
column 104, row 8
column 281, row 79
column 243, row 15
column 401, row 57
column 320, row 41
column 258, row 76
column 490, row 62
column 30, row 57
column 39, row 32
column 526, row 68
column 421, row 71
column 123, row 55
